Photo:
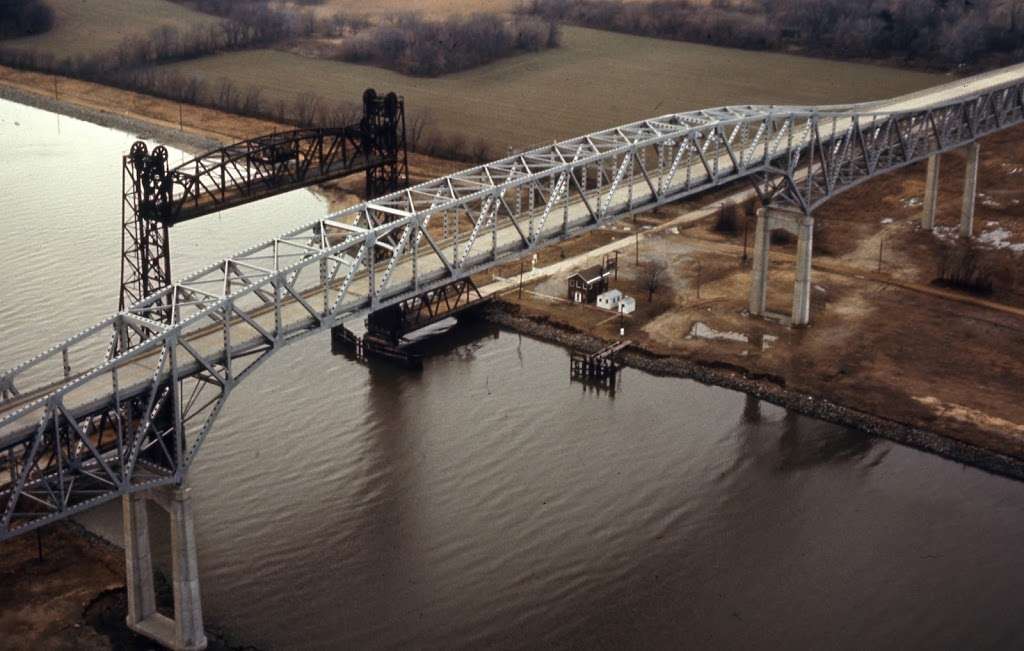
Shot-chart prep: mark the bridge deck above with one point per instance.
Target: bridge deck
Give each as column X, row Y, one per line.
column 235, row 195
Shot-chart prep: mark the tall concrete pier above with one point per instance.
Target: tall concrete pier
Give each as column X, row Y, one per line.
column 931, row 193
column 802, row 226
column 931, row 190
column 185, row 631
column 970, row 189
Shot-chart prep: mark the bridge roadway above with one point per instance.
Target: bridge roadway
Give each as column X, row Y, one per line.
column 253, row 303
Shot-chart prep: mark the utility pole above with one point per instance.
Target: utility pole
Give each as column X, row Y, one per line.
column 698, row 280
column 881, row 247
column 746, row 223
column 616, row 264
column 522, row 265
column 55, row 88
column 638, row 248
column 181, row 117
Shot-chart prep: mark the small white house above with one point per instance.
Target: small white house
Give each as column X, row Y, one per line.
column 627, row 305
column 609, row 300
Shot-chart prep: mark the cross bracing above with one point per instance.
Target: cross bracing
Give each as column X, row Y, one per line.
column 127, row 403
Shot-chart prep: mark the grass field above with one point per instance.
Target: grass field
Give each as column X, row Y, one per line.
column 597, row 79
column 85, row 27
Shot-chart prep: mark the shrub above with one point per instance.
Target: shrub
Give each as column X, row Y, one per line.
column 730, row 218
column 966, row 266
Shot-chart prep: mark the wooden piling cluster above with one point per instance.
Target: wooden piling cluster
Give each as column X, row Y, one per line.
column 598, row 369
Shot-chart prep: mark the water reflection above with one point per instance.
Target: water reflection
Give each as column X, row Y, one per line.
column 805, row 443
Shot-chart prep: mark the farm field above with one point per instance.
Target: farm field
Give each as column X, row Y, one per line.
column 86, row 27
column 595, row 80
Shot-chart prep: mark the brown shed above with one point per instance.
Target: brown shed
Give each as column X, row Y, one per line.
column 585, row 285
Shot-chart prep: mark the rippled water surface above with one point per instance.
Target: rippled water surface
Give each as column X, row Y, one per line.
column 489, row 501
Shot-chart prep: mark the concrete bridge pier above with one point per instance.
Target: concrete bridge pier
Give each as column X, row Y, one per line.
column 185, row 631
column 802, row 226
column 931, row 193
column 970, row 189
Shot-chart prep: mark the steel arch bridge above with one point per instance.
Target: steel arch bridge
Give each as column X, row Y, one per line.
column 125, row 405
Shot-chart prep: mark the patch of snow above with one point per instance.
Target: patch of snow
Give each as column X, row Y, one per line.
column 701, row 330
column 887, row 220
column 912, row 202
column 819, row 288
column 999, row 238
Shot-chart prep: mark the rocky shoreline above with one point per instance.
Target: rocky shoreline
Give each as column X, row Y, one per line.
column 763, row 387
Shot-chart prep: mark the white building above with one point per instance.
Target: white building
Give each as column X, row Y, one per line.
column 609, row 300
column 627, row 305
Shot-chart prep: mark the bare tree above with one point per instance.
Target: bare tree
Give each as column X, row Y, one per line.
column 652, row 275
column 417, row 127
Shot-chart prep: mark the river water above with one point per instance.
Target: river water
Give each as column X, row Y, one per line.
column 489, row 501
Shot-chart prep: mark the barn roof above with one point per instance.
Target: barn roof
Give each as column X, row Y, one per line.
column 590, row 274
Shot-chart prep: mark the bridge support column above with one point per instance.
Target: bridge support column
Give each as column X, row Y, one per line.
column 759, row 274
column 185, row 631
column 800, row 225
column 802, row 280
column 931, row 193
column 970, row 189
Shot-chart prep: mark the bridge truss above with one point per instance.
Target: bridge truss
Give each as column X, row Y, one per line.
column 99, row 415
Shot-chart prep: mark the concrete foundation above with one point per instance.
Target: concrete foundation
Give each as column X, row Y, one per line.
column 185, row 631
column 970, row 189
column 800, row 225
column 931, row 193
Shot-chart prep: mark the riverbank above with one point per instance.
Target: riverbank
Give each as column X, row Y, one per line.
column 763, row 387
column 194, row 129
column 64, row 589
column 890, row 350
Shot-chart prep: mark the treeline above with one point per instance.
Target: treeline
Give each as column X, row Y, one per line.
column 942, row 32
column 24, row 17
column 256, row 24
column 417, row 46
